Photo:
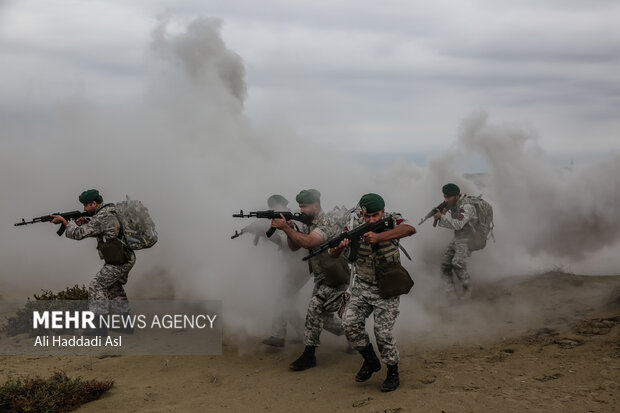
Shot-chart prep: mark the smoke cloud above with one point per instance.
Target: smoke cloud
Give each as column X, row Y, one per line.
column 186, row 149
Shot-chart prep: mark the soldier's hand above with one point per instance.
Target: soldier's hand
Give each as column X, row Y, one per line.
column 438, row 214
column 57, row 219
column 372, row 237
column 336, row 251
column 81, row 221
column 280, row 223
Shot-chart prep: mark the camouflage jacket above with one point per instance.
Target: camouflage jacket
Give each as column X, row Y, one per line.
column 327, row 225
column 460, row 218
column 370, row 254
column 103, row 225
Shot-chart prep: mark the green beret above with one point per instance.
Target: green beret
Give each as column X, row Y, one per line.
column 88, row 196
column 372, row 202
column 308, row 196
column 275, row 200
column 451, row 190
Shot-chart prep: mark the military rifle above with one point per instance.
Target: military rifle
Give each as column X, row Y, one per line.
column 271, row 214
column 47, row 218
column 354, row 236
column 439, row 208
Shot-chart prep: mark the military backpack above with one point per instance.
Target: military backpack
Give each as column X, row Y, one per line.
column 136, row 223
column 483, row 227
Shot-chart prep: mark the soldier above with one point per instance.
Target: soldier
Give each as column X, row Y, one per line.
column 326, row 294
column 365, row 297
column 105, row 291
column 295, row 278
column 462, row 213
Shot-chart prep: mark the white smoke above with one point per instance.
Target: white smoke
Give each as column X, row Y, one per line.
column 192, row 156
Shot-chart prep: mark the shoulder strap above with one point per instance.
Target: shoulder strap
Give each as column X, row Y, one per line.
column 121, row 233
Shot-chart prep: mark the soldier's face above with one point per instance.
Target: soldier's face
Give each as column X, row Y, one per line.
column 90, row 208
column 372, row 217
column 310, row 209
column 451, row 200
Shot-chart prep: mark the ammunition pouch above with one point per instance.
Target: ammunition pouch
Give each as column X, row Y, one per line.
column 113, row 252
column 392, row 279
column 335, row 270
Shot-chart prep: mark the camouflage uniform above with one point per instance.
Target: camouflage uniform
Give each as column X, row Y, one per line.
column 105, row 292
column 295, row 278
column 365, row 299
column 457, row 253
column 325, row 299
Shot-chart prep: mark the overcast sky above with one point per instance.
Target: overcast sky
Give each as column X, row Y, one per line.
column 381, row 76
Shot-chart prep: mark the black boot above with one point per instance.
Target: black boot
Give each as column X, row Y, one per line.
column 305, row 361
column 274, row 341
column 392, row 380
column 371, row 364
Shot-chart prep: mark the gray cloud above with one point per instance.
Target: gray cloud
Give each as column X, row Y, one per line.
column 190, row 153
column 330, row 68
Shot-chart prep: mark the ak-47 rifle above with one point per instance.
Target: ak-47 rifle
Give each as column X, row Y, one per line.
column 47, row 218
column 271, row 214
column 354, row 236
column 439, row 207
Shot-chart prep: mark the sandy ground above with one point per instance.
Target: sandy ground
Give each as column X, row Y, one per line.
column 544, row 343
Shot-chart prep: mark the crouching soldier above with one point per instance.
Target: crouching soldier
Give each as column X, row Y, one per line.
column 376, row 264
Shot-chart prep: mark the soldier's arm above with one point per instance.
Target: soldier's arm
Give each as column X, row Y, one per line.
column 298, row 240
column 401, row 229
column 460, row 221
column 89, row 229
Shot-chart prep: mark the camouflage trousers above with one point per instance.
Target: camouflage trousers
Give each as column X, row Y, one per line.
column 286, row 311
column 365, row 299
column 455, row 261
column 321, row 315
column 106, row 293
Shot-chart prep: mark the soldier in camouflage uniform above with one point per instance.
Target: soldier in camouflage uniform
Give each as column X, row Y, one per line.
column 365, row 298
column 461, row 217
column 325, row 298
column 105, row 292
column 295, row 278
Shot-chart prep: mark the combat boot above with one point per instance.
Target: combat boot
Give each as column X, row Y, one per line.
column 305, row 361
column 274, row 341
column 371, row 364
column 392, row 380
column 466, row 294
